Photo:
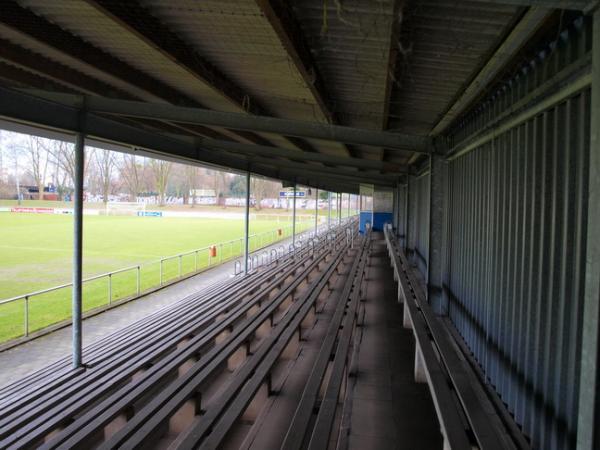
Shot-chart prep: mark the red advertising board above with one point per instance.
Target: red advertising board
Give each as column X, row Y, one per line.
column 33, row 210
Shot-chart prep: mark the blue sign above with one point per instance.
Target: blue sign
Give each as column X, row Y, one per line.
column 149, row 213
column 286, row 194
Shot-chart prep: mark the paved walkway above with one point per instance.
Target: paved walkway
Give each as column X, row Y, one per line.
column 389, row 410
column 34, row 355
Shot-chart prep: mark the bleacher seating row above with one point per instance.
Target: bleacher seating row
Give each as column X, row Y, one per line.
column 466, row 414
column 187, row 375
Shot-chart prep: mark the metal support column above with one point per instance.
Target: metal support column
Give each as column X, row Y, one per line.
column 247, row 225
column 588, row 422
column 339, row 211
column 316, row 211
column 329, row 210
column 294, row 217
column 409, row 193
column 349, row 197
column 436, row 267
column 77, row 307
column 395, row 213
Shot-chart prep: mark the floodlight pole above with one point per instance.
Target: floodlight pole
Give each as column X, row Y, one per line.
column 78, row 250
column 316, row 211
column 247, row 225
column 294, row 218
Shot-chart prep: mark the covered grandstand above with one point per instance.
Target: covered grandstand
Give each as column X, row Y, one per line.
column 458, row 309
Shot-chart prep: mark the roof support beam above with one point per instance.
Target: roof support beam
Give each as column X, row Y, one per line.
column 554, row 4
column 280, row 15
column 139, row 21
column 148, row 28
column 521, row 33
column 24, row 21
column 350, row 175
column 199, row 116
column 391, row 65
column 32, row 110
column 262, row 150
column 58, row 73
column 35, row 27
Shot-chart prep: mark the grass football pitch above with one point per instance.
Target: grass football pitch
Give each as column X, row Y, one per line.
column 36, row 254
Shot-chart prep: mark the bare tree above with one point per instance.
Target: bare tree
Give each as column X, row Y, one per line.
column 63, row 155
column 220, row 184
column 38, row 162
column 105, row 163
column 191, row 174
column 161, row 170
column 131, row 171
column 258, row 189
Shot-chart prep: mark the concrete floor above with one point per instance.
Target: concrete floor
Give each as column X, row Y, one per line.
column 389, row 410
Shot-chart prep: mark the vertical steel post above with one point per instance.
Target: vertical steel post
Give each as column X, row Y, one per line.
column 328, row 210
column 109, row 288
column 78, row 250
column 247, row 225
column 138, row 280
column 339, row 208
column 588, row 422
column 316, row 211
column 26, row 315
column 349, row 196
column 436, row 260
column 407, row 230
column 294, row 218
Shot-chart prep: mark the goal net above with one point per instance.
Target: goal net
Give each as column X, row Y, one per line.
column 125, row 209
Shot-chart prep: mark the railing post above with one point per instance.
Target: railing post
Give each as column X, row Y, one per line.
column 138, row 280
column 161, row 273
column 26, row 315
column 109, row 288
column 220, row 253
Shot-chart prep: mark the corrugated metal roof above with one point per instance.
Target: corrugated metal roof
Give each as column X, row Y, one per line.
column 446, row 43
column 351, row 48
column 441, row 45
column 236, row 38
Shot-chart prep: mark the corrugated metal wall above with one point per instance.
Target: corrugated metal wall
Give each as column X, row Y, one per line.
column 516, row 254
column 418, row 220
column 516, row 238
column 515, row 231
